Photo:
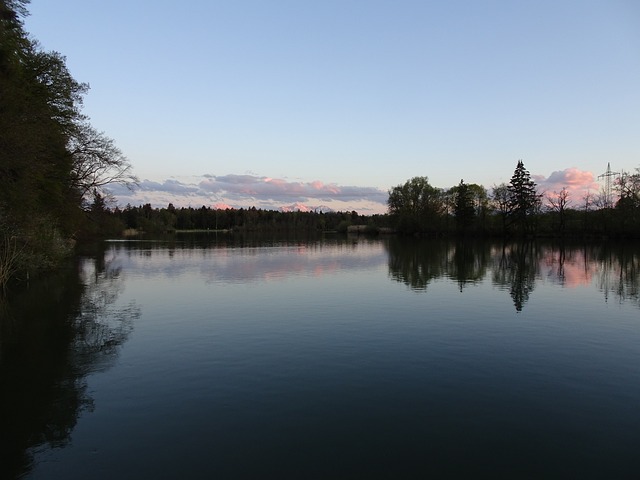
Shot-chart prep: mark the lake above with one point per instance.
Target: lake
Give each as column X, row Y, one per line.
column 206, row 356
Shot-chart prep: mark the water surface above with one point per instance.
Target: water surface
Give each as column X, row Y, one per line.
column 333, row 358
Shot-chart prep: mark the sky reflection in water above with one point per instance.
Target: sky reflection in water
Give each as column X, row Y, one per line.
column 343, row 359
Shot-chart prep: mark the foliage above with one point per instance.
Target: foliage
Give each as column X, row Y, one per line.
column 417, row 206
column 515, row 209
column 464, row 208
column 51, row 159
column 627, row 208
column 162, row 220
column 524, row 201
column 500, row 203
column 627, row 186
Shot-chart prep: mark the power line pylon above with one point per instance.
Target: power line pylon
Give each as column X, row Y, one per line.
column 607, row 184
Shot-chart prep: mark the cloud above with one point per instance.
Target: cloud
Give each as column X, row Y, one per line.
column 170, row 186
column 280, row 190
column 249, row 190
column 577, row 182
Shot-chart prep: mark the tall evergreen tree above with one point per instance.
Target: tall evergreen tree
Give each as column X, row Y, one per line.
column 524, row 200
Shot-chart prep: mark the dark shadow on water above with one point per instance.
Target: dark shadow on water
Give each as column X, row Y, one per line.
column 53, row 334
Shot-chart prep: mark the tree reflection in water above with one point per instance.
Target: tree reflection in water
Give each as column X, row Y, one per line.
column 516, row 267
column 469, row 263
column 53, row 335
column 619, row 272
column 416, row 263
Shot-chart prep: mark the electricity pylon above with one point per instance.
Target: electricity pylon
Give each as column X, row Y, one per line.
column 607, row 184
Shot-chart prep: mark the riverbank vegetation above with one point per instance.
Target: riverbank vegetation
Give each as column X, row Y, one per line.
column 52, row 160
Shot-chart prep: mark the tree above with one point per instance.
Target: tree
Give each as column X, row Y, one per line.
column 480, row 199
column 416, row 205
column 501, row 200
column 51, row 159
column 463, row 206
column 558, row 202
column 627, row 186
column 34, row 164
column 524, row 200
column 96, row 161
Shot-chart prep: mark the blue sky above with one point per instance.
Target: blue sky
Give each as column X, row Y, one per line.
column 279, row 103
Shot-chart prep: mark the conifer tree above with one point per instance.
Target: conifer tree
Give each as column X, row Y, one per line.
column 524, row 200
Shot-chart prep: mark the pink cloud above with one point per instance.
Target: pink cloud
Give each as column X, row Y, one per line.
column 577, row 182
column 268, row 188
column 275, row 181
column 249, row 190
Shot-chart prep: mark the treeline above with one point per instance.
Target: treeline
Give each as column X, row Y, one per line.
column 151, row 220
column 515, row 209
column 51, row 158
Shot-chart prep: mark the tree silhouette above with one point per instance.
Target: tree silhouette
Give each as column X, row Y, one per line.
column 558, row 202
column 416, row 205
column 463, row 206
column 524, row 200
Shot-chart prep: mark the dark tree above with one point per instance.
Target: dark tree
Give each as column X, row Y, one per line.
column 416, row 205
column 500, row 201
column 51, row 159
column 628, row 205
column 96, row 161
column 524, row 201
column 463, row 206
column 558, row 203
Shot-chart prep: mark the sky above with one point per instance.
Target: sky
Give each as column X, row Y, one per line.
column 329, row 104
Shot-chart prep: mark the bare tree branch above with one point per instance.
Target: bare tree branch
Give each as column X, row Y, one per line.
column 97, row 162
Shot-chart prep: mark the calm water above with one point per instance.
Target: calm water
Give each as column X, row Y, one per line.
column 205, row 358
